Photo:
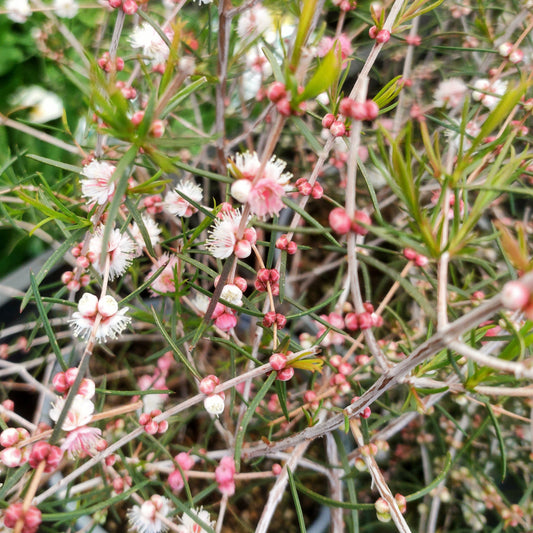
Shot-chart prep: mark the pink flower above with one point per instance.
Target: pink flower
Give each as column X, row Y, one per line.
column 450, row 93
column 165, row 281
column 95, row 184
column 224, row 476
column 222, row 240
column 327, row 43
column 82, row 441
column 265, row 197
column 121, row 250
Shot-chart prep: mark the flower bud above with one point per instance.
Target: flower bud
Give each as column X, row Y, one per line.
column 240, row 190
column 276, row 91
column 137, row 118
column 208, row 384
column 515, row 295
column 11, row 457
column 157, row 129
column 88, row 305
column 372, row 110
column 286, row 373
column 382, row 36
column 339, row 221
column 284, row 107
column 107, row 306
column 278, row 361
column 337, row 129
column 362, row 217
column 129, row 7
column 214, row 404
column 9, row 437
column 328, row 120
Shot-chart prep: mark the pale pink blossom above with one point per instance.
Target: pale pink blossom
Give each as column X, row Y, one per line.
column 224, row 476
column 83, row 320
column 265, row 197
column 153, row 47
column 79, row 414
column 165, row 281
column 222, row 238
column 153, row 231
column 146, row 518
column 121, row 250
column 82, row 441
column 450, row 93
column 175, row 202
column 253, row 22
column 326, row 43
column 96, row 184
column 489, row 93
column 189, row 523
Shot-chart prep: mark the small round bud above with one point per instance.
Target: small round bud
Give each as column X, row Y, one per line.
column 372, row 110
column 88, row 305
column 360, row 217
column 337, row 129
column 284, row 107
column 107, row 306
column 278, row 361
column 240, row 190
column 129, row 7
column 515, row 295
column 328, row 120
column 286, row 374
column 137, row 118
column 157, row 129
column 214, row 404
column 382, row 36
column 276, row 91
column 339, row 221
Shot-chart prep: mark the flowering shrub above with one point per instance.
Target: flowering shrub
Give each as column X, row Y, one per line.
column 288, row 270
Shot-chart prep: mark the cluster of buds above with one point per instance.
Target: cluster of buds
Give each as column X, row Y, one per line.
column 380, row 36
column 265, row 277
column 127, row 91
column 12, row 455
column 278, row 362
column 306, row 189
column 277, row 94
column 31, row 518
column 214, row 403
column 43, row 451
column 283, row 243
column 366, row 412
column 176, row 478
column 128, row 6
column 345, row 5
column 150, row 425
column 157, row 128
column 225, row 476
column 272, row 318
column 120, row 484
column 340, row 222
column 310, row 397
column 63, row 381
column 224, row 316
column 515, row 295
column 153, row 204
column 105, row 63
column 419, row 259
column 383, row 509
column 366, row 320
column 68, row 278
column 368, row 110
column 336, row 127
column 507, row 50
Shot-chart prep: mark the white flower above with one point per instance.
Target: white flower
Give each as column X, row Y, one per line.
column 82, row 441
column 253, row 22
column 17, row 10
column 214, row 404
column 177, row 205
column 223, row 237
column 79, row 414
column 43, row 105
column 165, row 281
column 450, row 93
column 189, row 525
column 232, row 294
column 153, row 47
column 121, row 250
column 96, row 185
column 112, row 322
column 247, row 166
column 496, row 90
column 200, row 302
column 66, row 8
column 152, row 229
column 144, row 518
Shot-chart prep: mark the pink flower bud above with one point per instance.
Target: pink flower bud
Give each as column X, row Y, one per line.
column 11, row 457
column 151, row 427
column 345, row 368
column 421, row 260
column 185, row 461
column 83, row 262
column 263, row 275
column 409, row 254
column 359, row 111
column 381, row 506
column 115, row 3
column 107, row 306
column 339, row 221
column 286, row 373
column 328, row 120
column 335, row 360
column 284, row 107
column 240, row 190
column 337, row 129
column 88, row 305
column 70, row 375
column 60, row 383
column 176, row 481
column 369, row 308
column 363, row 218
column 373, row 32
column 119, row 63
column 278, row 361
column 516, row 56
column 269, row 319
column 241, row 283
column 242, row 249
column 208, row 384
column 365, row 320
column 67, row 276
column 157, row 129
column 413, row 40
column 9, row 437
column 505, row 49
column 515, row 295
column 346, row 107
column 281, row 320
column 317, row 191
column 382, row 36
column 13, row 514
column 351, row 322
column 118, row 485
column 276, row 469
column 372, row 110
column 129, row 7
column 276, row 91
column 87, row 388
column 250, row 235
column 137, row 118
column 226, row 321
column 162, row 427
column 401, row 502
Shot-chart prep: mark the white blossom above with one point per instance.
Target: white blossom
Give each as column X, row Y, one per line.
column 66, row 8
column 43, row 105
column 17, row 10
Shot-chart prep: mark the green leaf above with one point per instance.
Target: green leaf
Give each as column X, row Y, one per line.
column 53, row 163
column 304, row 26
column 325, row 75
column 181, row 95
column 426, row 490
column 132, row 208
column 281, row 388
column 296, row 500
column 174, row 346
column 46, row 323
column 49, row 263
column 250, row 412
column 501, row 443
